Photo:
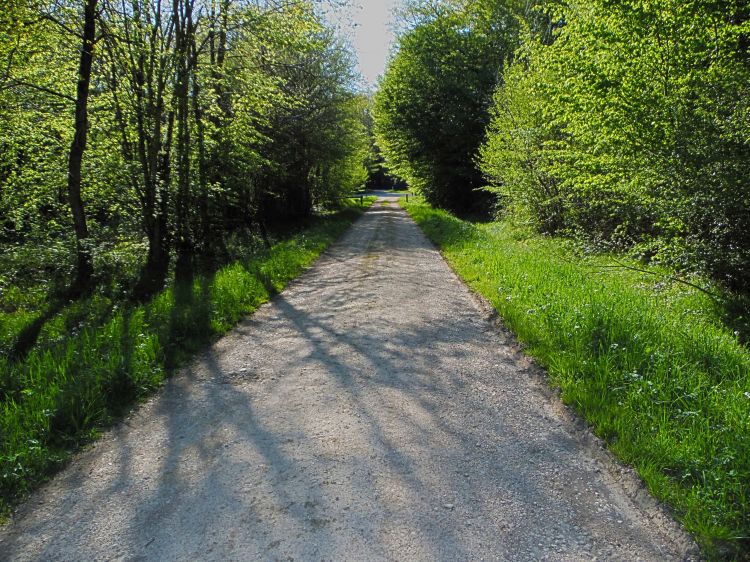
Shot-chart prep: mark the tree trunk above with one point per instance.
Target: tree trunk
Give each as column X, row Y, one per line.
column 142, row 65
column 85, row 267
column 218, row 163
column 156, row 212
column 183, row 31
column 204, row 227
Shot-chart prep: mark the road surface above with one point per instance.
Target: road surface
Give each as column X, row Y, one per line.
column 372, row 411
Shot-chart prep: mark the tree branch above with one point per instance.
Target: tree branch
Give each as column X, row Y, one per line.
column 619, row 264
column 50, row 17
column 44, row 89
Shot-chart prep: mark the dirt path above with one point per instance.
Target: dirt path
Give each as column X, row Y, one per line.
column 372, row 411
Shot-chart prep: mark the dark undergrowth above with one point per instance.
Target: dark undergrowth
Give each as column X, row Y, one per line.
column 657, row 367
column 93, row 358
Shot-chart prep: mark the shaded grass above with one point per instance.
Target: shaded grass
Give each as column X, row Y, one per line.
column 649, row 363
column 35, row 305
column 81, row 377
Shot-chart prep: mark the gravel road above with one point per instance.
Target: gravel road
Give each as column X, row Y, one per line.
column 374, row 410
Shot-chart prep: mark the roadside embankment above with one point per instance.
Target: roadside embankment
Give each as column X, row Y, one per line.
column 644, row 359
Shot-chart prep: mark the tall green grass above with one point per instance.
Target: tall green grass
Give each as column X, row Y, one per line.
column 68, row 388
column 645, row 360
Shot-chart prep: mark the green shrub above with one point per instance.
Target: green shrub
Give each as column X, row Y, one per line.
column 630, row 129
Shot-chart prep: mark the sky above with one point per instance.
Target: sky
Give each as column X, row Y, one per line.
column 367, row 25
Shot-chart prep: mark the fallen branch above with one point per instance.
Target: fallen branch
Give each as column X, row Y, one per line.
column 619, row 264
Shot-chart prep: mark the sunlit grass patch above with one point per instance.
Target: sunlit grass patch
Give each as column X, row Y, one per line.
column 647, row 361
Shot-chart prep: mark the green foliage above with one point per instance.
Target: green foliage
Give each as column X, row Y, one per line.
column 431, row 106
column 646, row 361
column 98, row 355
column 630, row 129
column 378, row 174
column 35, row 125
column 515, row 156
column 275, row 125
column 298, row 127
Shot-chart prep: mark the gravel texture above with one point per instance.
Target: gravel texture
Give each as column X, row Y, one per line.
column 374, row 410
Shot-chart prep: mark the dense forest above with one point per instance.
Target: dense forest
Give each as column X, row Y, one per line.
column 621, row 123
column 152, row 128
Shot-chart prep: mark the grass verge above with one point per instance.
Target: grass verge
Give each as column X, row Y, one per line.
column 645, row 360
column 63, row 393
